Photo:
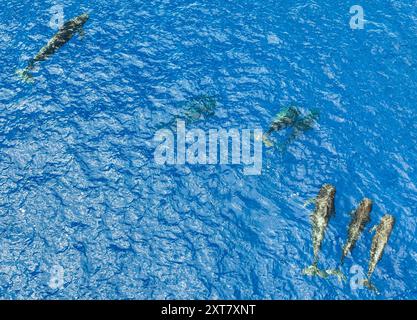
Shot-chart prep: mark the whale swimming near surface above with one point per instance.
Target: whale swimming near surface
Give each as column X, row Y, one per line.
column 198, row 108
column 202, row 106
column 285, row 118
column 360, row 218
column 379, row 241
column 301, row 126
column 320, row 219
column 290, row 117
column 65, row 34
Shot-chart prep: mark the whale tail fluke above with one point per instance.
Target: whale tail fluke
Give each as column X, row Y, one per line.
column 367, row 284
column 313, row 270
column 25, row 75
column 267, row 142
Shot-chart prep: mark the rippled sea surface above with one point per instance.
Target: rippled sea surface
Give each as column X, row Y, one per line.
column 82, row 198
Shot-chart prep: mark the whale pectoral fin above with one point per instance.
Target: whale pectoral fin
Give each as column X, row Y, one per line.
column 367, row 283
column 308, row 202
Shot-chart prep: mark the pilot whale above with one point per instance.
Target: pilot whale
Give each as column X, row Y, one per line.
column 360, row 218
column 324, row 210
column 379, row 241
column 65, row 33
column 284, row 119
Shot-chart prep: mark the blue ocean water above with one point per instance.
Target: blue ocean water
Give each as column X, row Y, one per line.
column 82, row 199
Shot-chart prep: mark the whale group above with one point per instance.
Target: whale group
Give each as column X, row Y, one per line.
column 204, row 106
column 290, row 118
column 360, row 217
